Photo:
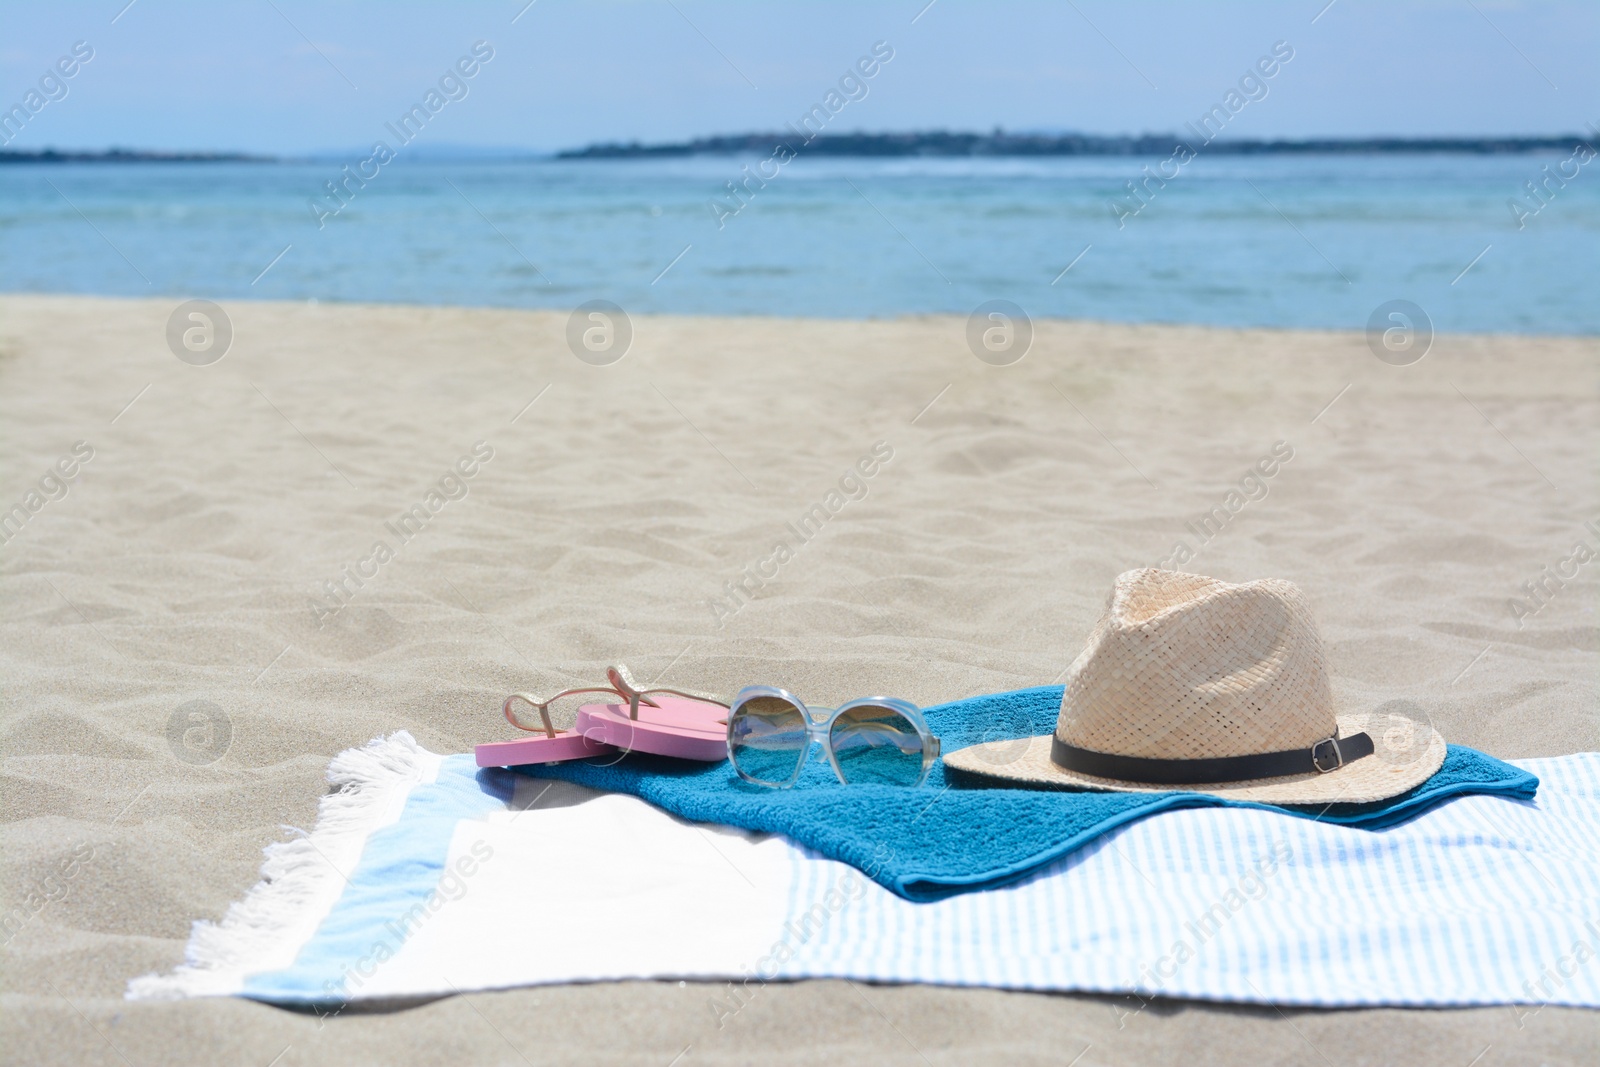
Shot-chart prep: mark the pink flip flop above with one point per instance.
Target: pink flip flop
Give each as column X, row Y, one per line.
column 555, row 746
column 687, row 729
column 680, row 723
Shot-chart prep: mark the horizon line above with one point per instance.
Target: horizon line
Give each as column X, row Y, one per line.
column 931, row 142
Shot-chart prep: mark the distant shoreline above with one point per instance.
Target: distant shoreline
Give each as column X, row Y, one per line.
column 126, row 155
column 934, row 144
column 942, row 144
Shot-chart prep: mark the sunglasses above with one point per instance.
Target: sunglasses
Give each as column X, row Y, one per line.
column 872, row 741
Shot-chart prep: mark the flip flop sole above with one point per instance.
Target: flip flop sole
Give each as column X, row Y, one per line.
column 680, row 727
column 567, row 745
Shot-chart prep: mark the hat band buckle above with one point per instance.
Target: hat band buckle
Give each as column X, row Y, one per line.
column 1318, row 760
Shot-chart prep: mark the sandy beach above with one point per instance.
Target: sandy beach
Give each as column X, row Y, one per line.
column 202, row 549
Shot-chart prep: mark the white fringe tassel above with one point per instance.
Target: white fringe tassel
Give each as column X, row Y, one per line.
column 301, row 879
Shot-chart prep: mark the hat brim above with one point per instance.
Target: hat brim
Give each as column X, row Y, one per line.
column 1388, row 772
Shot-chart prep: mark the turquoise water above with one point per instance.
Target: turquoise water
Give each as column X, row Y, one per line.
column 1277, row 241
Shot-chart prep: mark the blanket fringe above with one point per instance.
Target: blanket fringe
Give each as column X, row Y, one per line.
column 300, row 879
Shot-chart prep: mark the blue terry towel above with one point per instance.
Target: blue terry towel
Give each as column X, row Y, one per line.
column 933, row 842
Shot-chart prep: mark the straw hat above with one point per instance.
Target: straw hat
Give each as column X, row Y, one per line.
column 1193, row 684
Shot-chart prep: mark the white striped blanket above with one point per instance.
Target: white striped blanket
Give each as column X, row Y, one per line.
column 450, row 887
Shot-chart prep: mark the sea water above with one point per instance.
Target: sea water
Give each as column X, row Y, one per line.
column 1310, row 241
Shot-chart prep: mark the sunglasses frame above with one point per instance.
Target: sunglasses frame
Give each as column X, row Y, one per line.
column 819, row 729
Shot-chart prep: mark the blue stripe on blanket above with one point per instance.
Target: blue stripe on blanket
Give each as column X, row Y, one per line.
column 928, row 843
column 398, row 872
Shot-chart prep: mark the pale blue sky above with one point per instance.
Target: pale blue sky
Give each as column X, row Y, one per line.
column 292, row 76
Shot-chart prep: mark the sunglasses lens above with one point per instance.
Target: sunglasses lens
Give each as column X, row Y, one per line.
column 767, row 738
column 876, row 745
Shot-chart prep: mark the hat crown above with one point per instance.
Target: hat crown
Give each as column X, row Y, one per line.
column 1186, row 667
